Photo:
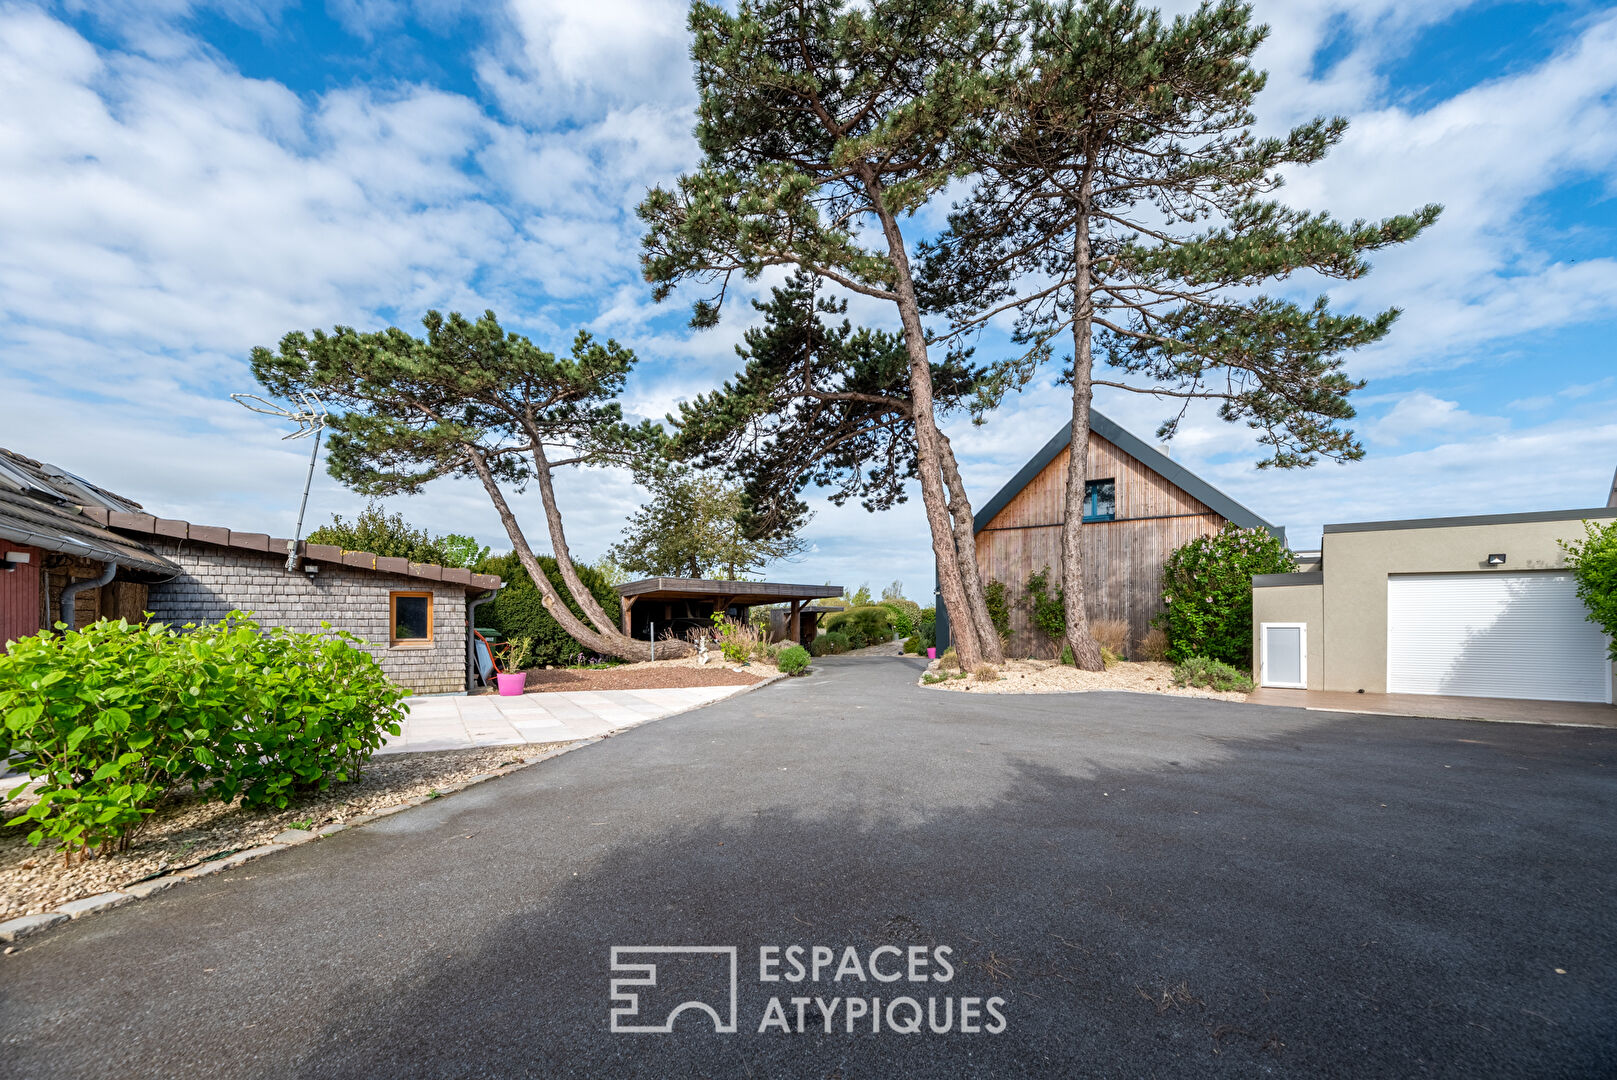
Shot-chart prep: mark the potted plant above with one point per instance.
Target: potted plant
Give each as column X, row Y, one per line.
column 515, row 658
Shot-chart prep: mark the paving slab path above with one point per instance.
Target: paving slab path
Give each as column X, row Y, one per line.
column 459, row 721
column 1150, row 886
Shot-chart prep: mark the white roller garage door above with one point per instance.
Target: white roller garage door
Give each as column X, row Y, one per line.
column 1508, row 635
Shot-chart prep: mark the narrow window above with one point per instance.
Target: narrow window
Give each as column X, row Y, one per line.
column 412, row 618
column 1100, row 500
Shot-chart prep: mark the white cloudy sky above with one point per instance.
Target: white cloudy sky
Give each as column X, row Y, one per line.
column 182, row 181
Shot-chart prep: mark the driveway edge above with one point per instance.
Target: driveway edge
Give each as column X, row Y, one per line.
column 24, row 926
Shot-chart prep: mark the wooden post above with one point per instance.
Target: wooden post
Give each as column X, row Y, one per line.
column 795, row 625
column 628, row 605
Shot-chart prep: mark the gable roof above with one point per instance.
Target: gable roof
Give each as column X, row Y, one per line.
column 43, row 506
column 1141, row 451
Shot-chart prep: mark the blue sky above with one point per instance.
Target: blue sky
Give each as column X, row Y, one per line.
column 182, row 181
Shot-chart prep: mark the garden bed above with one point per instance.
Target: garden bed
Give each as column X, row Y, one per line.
column 1050, row 677
column 651, row 675
column 185, row 831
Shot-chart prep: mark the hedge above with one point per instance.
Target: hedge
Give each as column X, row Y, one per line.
column 518, row 610
column 872, row 623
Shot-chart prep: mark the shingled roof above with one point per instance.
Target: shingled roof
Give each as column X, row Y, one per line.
column 125, row 521
column 50, row 508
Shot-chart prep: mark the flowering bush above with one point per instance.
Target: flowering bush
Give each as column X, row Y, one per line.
column 1207, row 593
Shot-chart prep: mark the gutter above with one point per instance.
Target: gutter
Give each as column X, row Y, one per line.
column 471, row 635
column 70, row 594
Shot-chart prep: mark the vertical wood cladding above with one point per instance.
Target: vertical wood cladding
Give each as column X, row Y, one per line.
column 1123, row 558
column 20, row 594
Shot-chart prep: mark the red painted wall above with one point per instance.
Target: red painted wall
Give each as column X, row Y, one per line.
column 19, row 594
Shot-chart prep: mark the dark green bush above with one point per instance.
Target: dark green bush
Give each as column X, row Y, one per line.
column 913, row 644
column 518, row 610
column 793, row 659
column 1212, row 674
column 110, row 717
column 873, row 623
column 830, row 644
column 999, row 606
column 1207, row 593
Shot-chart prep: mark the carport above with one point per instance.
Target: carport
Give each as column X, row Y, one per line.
column 654, row 606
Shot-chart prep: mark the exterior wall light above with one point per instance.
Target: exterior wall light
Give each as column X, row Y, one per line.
column 15, row 559
column 1496, row 560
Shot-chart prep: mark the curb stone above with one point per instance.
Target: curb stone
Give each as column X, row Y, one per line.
column 73, row 909
column 26, row 925
column 13, row 929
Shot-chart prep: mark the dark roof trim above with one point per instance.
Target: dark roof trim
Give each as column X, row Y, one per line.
column 219, row 536
column 707, row 587
column 1141, row 451
column 1481, row 519
column 1269, row 581
column 52, row 526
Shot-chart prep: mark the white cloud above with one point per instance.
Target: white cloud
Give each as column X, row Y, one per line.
column 1421, row 414
column 163, row 213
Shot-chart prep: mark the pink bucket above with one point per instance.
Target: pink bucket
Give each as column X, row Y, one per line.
column 931, row 654
column 511, row 684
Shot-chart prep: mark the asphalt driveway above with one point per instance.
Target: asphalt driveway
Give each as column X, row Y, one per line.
column 1149, row 886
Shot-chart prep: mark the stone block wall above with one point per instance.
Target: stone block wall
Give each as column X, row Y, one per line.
column 216, row 580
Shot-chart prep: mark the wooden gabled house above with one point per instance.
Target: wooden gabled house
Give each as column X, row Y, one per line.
column 1139, row 506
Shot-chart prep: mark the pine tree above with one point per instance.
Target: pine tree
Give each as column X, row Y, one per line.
column 824, row 124
column 1122, row 201
column 817, row 404
column 472, row 400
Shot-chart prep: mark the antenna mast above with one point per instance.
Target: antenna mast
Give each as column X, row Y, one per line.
column 310, row 420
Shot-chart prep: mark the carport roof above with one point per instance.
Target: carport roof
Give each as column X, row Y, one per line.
column 746, row 593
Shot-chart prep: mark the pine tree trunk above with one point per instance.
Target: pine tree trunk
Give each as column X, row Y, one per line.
column 608, row 626
column 965, row 538
column 618, row 645
column 1085, row 652
column 956, row 598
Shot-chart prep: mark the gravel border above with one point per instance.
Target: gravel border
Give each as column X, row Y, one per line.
column 14, row 930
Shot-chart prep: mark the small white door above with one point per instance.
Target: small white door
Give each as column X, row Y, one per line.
column 1284, row 660
column 1500, row 634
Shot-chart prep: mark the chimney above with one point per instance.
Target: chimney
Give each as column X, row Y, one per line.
column 1167, row 451
column 1611, row 499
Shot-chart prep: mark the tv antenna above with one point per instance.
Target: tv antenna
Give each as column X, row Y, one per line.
column 310, row 416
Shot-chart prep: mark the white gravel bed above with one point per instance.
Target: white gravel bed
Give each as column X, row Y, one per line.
column 1050, row 677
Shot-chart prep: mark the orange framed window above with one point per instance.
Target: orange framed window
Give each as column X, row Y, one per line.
column 410, row 617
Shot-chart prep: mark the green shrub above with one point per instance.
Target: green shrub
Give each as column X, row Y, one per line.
column 913, row 645
column 831, row 644
column 1207, row 593
column 1047, row 607
column 873, row 623
column 1212, row 674
column 110, row 717
column 999, row 606
column 905, row 615
column 793, row 659
column 518, row 610
column 1593, row 560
